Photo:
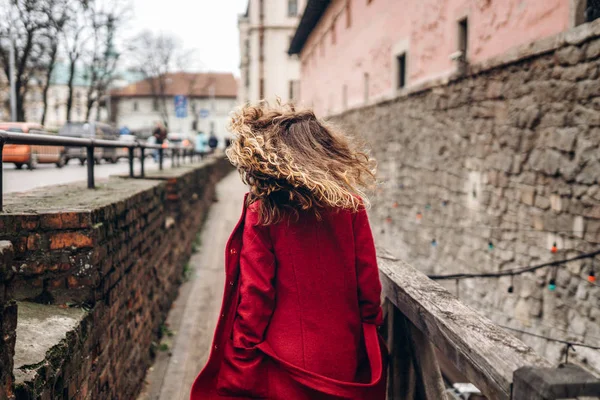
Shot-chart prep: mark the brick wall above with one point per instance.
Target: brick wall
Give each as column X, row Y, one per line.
column 118, row 253
column 510, row 156
column 8, row 322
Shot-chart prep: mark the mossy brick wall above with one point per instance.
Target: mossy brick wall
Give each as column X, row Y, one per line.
column 509, row 154
column 118, row 251
column 8, row 322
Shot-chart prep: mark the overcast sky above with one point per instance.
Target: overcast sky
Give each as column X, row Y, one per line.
column 207, row 26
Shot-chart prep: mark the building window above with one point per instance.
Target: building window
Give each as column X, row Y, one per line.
column 293, row 90
column 366, row 82
column 261, row 46
column 592, row 10
column 348, row 14
column 135, row 106
column 333, row 37
column 401, row 62
column 345, row 97
column 261, row 89
column 463, row 37
column 292, row 8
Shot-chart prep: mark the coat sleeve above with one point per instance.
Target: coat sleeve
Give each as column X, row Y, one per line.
column 244, row 366
column 369, row 285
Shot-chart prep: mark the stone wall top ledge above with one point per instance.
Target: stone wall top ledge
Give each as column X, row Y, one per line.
column 74, row 197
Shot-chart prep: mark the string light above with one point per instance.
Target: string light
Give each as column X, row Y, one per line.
column 554, row 248
column 388, row 220
column 428, row 206
column 419, row 215
column 444, row 203
column 395, row 205
column 511, row 288
column 434, row 243
column 490, row 246
column 592, row 275
column 568, row 343
column 515, row 271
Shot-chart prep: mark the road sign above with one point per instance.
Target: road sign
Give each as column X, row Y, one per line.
column 181, row 104
column 204, row 113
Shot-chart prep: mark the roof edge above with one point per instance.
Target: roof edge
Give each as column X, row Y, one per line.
column 310, row 18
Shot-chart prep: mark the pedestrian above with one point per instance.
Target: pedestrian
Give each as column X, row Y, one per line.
column 201, row 142
column 160, row 134
column 301, row 305
column 213, row 142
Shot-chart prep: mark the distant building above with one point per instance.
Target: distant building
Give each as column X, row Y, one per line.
column 356, row 52
column 267, row 71
column 58, row 93
column 209, row 99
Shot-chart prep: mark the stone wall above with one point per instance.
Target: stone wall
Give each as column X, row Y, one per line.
column 486, row 172
column 96, row 273
column 8, row 322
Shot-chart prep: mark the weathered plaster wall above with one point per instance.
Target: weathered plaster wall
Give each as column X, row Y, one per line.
column 427, row 30
column 509, row 156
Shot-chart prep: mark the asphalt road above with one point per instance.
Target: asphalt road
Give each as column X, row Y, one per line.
column 48, row 174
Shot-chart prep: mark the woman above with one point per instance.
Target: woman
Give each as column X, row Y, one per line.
column 302, row 293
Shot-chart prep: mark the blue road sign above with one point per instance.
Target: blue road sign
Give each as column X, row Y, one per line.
column 204, row 113
column 181, row 104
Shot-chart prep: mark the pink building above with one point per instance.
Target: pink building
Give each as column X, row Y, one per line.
column 356, row 52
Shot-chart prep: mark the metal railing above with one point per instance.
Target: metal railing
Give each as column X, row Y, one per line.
column 178, row 153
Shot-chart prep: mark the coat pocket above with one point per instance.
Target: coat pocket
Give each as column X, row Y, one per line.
column 243, row 373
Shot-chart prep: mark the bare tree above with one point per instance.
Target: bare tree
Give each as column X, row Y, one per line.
column 107, row 18
column 155, row 55
column 29, row 22
column 59, row 14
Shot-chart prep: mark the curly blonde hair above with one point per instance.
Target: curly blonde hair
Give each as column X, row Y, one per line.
column 291, row 160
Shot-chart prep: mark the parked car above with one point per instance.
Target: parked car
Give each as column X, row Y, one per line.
column 90, row 130
column 187, row 140
column 123, row 152
column 31, row 155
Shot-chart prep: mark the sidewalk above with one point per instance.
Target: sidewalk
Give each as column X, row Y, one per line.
column 194, row 314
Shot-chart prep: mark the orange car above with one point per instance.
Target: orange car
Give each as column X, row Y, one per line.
column 30, row 155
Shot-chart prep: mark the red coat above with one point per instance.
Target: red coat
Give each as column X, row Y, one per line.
column 299, row 314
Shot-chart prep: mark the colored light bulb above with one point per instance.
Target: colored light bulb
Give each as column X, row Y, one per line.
column 511, row 289
column 554, row 249
column 419, row 216
column 395, row 205
column 388, row 220
column 428, row 206
column 444, row 203
column 490, row 245
column 592, row 277
column 434, row 243
column 552, row 285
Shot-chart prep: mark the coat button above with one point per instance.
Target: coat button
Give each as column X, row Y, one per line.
column 233, row 251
